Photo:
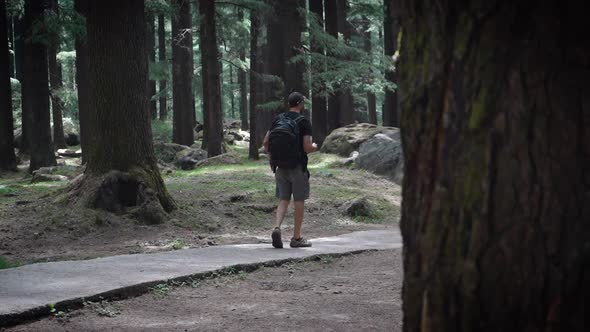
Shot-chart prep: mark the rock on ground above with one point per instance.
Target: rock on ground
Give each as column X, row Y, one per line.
column 343, row 141
column 382, row 155
column 41, row 177
column 189, row 158
column 166, row 152
column 358, row 207
column 229, row 158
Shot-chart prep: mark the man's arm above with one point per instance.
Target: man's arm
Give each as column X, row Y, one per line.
column 308, row 146
column 265, row 141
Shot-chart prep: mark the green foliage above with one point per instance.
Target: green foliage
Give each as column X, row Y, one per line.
column 161, row 289
column 162, row 131
column 5, row 264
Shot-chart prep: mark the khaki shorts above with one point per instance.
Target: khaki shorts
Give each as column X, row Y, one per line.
column 293, row 182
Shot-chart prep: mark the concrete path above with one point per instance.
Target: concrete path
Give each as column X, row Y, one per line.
column 26, row 291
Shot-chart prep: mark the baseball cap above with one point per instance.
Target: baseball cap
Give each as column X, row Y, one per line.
column 295, row 98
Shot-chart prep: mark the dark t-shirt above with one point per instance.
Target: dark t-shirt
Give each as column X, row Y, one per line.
column 304, row 130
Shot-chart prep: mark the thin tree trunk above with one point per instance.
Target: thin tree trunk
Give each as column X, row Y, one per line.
column 36, row 91
column 231, row 92
column 86, row 138
column 19, row 57
column 371, row 99
column 294, row 20
column 318, row 99
column 121, row 174
column 151, row 41
column 182, row 74
column 346, row 100
column 10, row 23
column 390, row 32
column 55, row 79
column 496, row 187
column 7, row 156
column 254, row 66
column 211, row 82
column 331, row 8
column 242, row 80
column 162, row 60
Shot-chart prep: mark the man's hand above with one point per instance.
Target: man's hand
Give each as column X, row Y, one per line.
column 315, row 146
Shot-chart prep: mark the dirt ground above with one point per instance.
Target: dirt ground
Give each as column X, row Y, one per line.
column 217, row 205
column 351, row 293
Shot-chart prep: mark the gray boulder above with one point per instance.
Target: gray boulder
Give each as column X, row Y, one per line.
column 358, row 207
column 188, row 159
column 382, row 155
column 41, row 177
column 343, row 141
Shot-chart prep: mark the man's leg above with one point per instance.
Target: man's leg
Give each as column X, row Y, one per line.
column 281, row 211
column 299, row 209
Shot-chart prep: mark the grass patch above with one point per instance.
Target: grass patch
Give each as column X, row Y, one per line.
column 7, row 191
column 5, row 264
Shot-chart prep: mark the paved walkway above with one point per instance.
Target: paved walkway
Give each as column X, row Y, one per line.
column 26, row 291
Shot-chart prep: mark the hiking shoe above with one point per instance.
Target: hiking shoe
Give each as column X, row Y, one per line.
column 300, row 243
column 277, row 242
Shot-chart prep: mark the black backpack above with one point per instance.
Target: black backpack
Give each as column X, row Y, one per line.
column 285, row 142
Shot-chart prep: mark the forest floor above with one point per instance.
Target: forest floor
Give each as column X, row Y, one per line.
column 217, row 205
column 350, row 293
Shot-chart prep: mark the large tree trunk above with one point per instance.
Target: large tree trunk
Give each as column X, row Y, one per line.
column 10, row 30
column 319, row 109
column 390, row 34
column 162, row 60
column 333, row 118
column 151, row 41
column 7, row 157
column 242, row 80
column 254, row 78
column 210, row 67
column 368, row 48
column 231, row 92
column 55, row 79
column 182, row 74
column 81, row 6
column 36, row 90
column 122, row 175
column 496, row 189
column 294, row 20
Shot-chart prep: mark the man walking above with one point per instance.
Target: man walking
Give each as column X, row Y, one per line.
column 288, row 142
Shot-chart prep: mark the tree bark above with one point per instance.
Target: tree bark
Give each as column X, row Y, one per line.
column 81, row 6
column 391, row 30
column 231, row 92
column 10, row 30
column 162, row 60
column 242, row 80
column 333, row 117
column 254, row 78
column 346, row 103
column 151, row 41
column 36, row 91
column 182, row 74
column 122, row 175
column 19, row 61
column 7, row 156
column 294, row 20
column 210, row 67
column 55, row 79
column 496, row 188
column 319, row 109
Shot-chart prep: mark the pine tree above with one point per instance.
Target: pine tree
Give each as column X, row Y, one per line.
column 7, row 157
column 318, row 100
column 55, row 79
column 162, row 61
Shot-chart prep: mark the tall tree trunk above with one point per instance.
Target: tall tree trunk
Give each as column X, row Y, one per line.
column 7, row 157
column 182, row 74
column 242, row 80
column 122, row 174
column 162, row 60
column 231, row 92
column 496, row 197
column 368, row 47
column 10, row 30
column 346, row 99
column 55, row 79
column 81, row 6
column 151, row 41
column 19, row 60
column 391, row 30
column 293, row 18
column 36, row 91
column 333, row 118
column 210, row 67
column 319, row 109
column 254, row 78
